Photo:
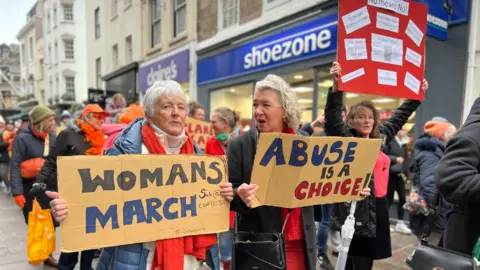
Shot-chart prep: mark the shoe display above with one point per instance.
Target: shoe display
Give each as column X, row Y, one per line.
column 324, row 262
column 402, row 228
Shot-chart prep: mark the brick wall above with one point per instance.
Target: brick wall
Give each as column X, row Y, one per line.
column 249, row 10
column 207, row 19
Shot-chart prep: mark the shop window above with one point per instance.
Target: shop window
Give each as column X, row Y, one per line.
column 186, row 89
column 238, row 98
column 302, row 84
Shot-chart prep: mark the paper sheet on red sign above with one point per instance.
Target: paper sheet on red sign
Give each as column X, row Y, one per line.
column 381, row 47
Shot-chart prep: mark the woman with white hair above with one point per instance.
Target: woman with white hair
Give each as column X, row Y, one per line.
column 275, row 109
column 162, row 131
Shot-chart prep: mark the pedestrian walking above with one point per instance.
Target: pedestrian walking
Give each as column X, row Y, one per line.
column 371, row 240
column 399, row 163
column 31, row 145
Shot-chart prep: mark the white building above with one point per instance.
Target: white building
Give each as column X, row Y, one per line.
column 114, row 39
column 65, row 53
column 27, row 36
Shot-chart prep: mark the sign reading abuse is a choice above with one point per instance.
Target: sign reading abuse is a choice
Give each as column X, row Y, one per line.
column 140, row 198
column 296, row 171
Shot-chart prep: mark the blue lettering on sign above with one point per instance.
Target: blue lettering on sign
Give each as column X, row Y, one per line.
column 312, row 39
column 135, row 212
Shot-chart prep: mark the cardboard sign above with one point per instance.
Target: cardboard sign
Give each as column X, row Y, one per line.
column 381, row 47
column 130, row 199
column 200, row 131
column 295, row 171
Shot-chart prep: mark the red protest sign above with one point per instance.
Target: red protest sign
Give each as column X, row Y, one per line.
column 381, row 47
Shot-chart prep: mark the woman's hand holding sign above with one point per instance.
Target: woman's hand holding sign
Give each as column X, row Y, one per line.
column 366, row 192
column 247, row 193
column 59, row 206
column 226, row 191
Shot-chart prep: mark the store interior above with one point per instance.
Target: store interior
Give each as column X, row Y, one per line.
column 239, row 97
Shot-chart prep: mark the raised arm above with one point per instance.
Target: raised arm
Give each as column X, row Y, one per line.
column 334, row 124
column 394, row 124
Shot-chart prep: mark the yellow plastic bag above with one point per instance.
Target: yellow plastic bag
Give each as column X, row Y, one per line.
column 41, row 234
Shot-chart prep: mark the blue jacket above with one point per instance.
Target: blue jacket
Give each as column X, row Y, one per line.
column 428, row 152
column 134, row 256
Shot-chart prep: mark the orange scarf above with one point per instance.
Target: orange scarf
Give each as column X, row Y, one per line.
column 169, row 252
column 95, row 138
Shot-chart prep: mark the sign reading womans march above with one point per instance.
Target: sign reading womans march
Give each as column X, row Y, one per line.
column 129, row 199
column 295, row 171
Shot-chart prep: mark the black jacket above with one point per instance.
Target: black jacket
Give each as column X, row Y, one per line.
column 25, row 146
column 458, row 180
column 241, row 153
column 365, row 214
column 4, row 157
column 70, row 142
column 395, row 150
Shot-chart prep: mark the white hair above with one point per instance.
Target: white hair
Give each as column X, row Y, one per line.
column 288, row 98
column 158, row 89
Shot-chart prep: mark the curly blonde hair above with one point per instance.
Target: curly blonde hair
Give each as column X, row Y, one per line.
column 288, row 98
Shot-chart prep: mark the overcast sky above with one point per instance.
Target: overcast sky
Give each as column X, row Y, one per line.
column 13, row 16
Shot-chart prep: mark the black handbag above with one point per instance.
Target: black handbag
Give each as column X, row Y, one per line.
column 259, row 251
column 428, row 257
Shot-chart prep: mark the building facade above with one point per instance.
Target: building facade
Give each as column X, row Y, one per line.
column 114, row 36
column 237, row 40
column 65, row 53
column 10, row 75
column 169, row 41
column 28, row 36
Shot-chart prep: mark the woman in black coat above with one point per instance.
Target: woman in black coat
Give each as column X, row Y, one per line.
column 275, row 110
column 458, row 180
column 371, row 240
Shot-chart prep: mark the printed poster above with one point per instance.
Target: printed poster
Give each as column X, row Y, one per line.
column 381, row 47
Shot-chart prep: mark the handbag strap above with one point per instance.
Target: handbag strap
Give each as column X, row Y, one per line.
column 427, row 229
column 283, row 226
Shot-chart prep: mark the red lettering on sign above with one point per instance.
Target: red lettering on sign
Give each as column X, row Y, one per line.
column 314, row 190
column 299, row 193
column 346, row 187
column 327, row 188
column 356, row 186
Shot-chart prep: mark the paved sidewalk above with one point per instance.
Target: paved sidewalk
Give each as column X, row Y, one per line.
column 13, row 239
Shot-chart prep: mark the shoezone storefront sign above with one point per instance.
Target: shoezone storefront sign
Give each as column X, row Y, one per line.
column 295, row 171
column 130, row 199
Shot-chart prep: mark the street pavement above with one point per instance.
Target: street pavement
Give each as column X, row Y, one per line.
column 13, row 239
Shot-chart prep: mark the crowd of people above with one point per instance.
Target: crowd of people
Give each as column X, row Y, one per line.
column 443, row 171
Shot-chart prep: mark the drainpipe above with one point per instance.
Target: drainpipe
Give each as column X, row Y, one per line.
column 470, row 93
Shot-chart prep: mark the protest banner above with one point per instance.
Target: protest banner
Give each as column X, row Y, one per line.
column 381, row 47
column 295, row 171
column 200, row 131
column 130, row 199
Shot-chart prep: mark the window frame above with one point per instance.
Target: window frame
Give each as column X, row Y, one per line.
column 128, row 49
column 56, row 52
column 69, row 14
column 69, row 80
column 114, row 8
column 268, row 6
column 221, row 15
column 49, row 26
column 115, row 62
column 31, row 54
column 176, row 10
column 55, row 16
column 69, row 41
column 98, row 72
column 156, row 21
column 97, row 27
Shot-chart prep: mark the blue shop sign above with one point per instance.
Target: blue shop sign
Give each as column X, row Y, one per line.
column 312, row 39
column 437, row 19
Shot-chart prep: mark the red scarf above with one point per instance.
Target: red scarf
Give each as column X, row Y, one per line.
column 39, row 134
column 169, row 252
column 294, row 228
